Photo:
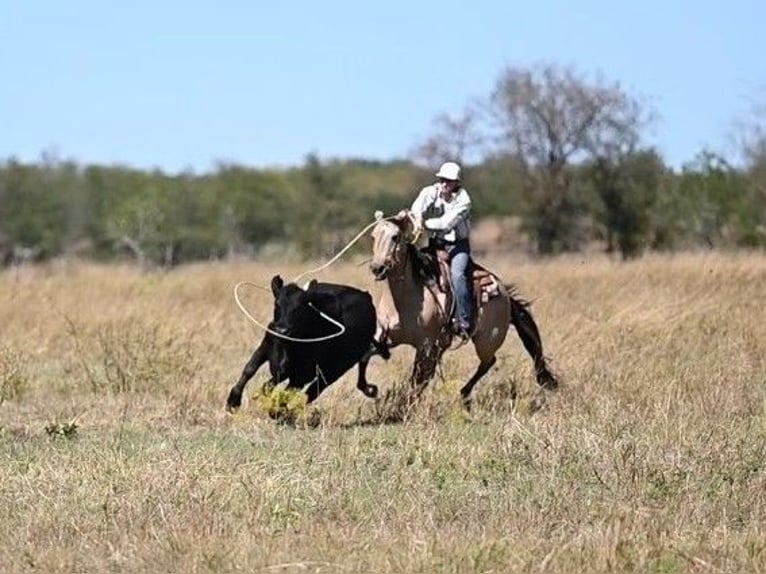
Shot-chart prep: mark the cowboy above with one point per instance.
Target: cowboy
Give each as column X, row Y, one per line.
column 443, row 209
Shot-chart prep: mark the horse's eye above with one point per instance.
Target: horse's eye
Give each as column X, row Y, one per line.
column 395, row 237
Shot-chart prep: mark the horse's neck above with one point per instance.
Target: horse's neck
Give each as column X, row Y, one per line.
column 401, row 284
column 413, row 304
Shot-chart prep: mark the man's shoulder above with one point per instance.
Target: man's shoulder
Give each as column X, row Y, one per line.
column 428, row 193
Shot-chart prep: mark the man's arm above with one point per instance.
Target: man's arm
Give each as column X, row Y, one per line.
column 457, row 212
column 422, row 202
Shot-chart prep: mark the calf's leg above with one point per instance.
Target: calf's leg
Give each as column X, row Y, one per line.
column 376, row 348
column 260, row 356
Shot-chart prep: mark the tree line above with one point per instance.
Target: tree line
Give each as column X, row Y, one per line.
column 563, row 153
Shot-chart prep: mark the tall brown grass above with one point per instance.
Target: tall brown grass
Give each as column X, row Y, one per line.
column 116, row 453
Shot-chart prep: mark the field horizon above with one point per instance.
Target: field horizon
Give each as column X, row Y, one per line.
column 116, row 453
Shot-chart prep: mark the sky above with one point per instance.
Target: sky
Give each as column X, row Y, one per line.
column 187, row 84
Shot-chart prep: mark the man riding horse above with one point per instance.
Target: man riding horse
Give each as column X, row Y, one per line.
column 412, row 311
column 443, row 209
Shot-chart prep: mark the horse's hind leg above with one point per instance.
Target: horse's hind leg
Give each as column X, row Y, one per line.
column 526, row 327
column 465, row 392
column 491, row 330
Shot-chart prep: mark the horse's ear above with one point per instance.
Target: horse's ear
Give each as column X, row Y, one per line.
column 276, row 285
column 378, row 215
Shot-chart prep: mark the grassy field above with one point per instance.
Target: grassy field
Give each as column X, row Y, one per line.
column 116, row 454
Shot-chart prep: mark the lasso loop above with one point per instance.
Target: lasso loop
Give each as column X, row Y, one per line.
column 341, row 327
column 378, row 217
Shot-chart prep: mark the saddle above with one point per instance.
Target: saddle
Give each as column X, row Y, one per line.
column 484, row 284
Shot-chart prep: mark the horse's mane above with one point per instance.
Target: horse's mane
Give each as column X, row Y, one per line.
column 425, row 268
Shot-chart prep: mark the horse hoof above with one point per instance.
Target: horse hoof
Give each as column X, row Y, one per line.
column 547, row 381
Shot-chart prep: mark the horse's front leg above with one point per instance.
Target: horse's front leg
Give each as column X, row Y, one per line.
column 427, row 359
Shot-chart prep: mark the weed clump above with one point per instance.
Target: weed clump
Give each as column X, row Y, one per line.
column 13, row 375
column 66, row 430
column 286, row 406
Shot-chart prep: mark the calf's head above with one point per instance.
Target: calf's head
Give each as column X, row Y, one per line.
column 293, row 314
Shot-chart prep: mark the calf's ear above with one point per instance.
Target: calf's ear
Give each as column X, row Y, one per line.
column 312, row 286
column 276, row 285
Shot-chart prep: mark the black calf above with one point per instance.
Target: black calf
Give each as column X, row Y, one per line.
column 315, row 313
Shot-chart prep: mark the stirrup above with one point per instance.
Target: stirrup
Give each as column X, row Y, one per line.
column 462, row 336
column 460, row 342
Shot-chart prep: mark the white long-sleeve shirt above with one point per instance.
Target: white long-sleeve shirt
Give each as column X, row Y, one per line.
column 447, row 220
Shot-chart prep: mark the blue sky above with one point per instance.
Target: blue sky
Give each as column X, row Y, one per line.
column 184, row 84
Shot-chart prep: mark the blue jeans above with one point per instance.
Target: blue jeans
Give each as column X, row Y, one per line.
column 460, row 269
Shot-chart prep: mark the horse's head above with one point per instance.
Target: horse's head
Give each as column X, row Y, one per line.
column 389, row 247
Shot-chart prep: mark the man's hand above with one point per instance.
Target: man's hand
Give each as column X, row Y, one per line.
column 417, row 220
column 417, row 224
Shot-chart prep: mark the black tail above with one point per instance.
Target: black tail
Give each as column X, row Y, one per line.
column 522, row 319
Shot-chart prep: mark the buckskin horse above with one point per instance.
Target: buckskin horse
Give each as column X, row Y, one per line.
column 414, row 310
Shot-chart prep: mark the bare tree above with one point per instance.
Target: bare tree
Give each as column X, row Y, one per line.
column 453, row 138
column 751, row 136
column 550, row 118
column 752, row 147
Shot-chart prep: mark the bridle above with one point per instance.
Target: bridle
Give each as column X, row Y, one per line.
column 396, row 259
column 393, row 264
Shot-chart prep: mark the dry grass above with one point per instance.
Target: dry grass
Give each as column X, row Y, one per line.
column 116, row 454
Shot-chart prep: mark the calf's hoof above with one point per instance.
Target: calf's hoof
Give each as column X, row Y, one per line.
column 233, row 402
column 370, row 391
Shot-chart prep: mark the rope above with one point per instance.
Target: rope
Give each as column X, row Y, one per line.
column 280, row 335
column 339, row 254
column 356, row 238
column 418, row 228
column 378, row 217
